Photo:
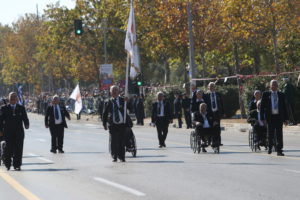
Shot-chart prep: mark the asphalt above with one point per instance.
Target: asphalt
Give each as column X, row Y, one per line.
column 86, row 171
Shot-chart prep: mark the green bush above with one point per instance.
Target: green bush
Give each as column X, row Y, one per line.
column 230, row 97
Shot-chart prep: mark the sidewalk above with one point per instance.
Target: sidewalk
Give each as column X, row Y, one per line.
column 240, row 124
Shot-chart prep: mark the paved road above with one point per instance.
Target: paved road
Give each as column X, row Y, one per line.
column 85, row 171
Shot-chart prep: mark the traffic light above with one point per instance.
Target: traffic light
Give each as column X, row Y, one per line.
column 139, row 80
column 78, row 27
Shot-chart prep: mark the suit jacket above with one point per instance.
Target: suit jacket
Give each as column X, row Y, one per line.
column 186, row 104
column 253, row 118
column 50, row 119
column 197, row 117
column 177, row 107
column 167, row 112
column 139, row 108
column 252, row 105
column 266, row 106
column 11, row 122
column 195, row 105
column 219, row 102
column 108, row 112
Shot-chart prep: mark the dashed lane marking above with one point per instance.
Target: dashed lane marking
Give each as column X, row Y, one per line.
column 40, row 158
column 293, row 171
column 17, row 186
column 119, row 186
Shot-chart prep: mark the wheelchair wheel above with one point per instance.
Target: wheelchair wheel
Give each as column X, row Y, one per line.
column 192, row 135
column 251, row 140
column 133, row 151
column 198, row 144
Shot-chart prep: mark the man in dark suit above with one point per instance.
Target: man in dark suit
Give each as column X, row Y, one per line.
column 161, row 117
column 55, row 120
column 257, row 97
column 139, row 110
column 215, row 106
column 12, row 118
column 258, row 125
column 178, row 109
column 205, row 126
column 186, row 105
column 113, row 119
column 274, row 114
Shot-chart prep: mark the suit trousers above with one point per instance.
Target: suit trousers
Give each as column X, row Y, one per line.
column 57, row 136
column 162, row 126
column 13, row 151
column 275, row 131
column 118, row 140
column 188, row 119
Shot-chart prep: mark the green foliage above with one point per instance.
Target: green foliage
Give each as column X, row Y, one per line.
column 230, row 97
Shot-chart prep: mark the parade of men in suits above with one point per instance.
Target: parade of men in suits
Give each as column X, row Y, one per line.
column 161, row 118
column 55, row 120
column 274, row 114
column 114, row 121
column 13, row 119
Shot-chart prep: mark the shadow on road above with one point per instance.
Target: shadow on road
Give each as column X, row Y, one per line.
column 47, row 170
column 151, row 156
column 262, row 164
column 84, row 152
column 158, row 161
column 37, row 163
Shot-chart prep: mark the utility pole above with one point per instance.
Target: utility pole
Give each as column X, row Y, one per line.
column 104, row 24
column 191, row 46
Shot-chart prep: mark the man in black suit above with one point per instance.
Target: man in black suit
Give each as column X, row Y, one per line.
column 12, row 118
column 257, row 97
column 178, row 109
column 215, row 106
column 161, row 117
column 205, row 126
column 55, row 120
column 139, row 110
column 113, row 119
column 258, row 125
column 186, row 105
column 274, row 114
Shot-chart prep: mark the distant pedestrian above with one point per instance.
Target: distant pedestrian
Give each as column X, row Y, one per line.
column 178, row 109
column 55, row 120
column 12, row 118
column 161, row 117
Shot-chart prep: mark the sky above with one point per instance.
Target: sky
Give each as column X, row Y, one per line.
column 11, row 10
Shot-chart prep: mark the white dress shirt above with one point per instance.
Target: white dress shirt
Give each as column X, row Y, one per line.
column 59, row 120
column 205, row 124
column 161, row 112
column 275, row 111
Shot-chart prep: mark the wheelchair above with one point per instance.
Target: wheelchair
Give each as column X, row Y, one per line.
column 197, row 142
column 130, row 143
column 255, row 146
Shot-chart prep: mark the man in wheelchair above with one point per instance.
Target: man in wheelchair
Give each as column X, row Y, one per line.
column 205, row 126
column 258, row 126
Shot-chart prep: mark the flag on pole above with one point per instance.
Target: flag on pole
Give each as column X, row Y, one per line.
column 77, row 97
column 131, row 44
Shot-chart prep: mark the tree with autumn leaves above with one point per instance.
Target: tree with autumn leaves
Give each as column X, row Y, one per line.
column 231, row 36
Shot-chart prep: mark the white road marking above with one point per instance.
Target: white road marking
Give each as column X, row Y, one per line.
column 41, row 140
column 294, row 171
column 40, row 158
column 119, row 186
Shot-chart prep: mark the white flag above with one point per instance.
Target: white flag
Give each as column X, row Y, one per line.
column 77, row 97
column 131, row 44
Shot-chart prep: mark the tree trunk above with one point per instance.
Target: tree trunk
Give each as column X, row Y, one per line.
column 237, row 70
column 203, row 62
column 167, row 72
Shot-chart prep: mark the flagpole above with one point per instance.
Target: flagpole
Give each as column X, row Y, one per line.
column 126, row 86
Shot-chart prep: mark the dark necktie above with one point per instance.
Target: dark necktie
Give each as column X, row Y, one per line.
column 116, row 111
column 56, row 112
column 213, row 100
column 275, row 98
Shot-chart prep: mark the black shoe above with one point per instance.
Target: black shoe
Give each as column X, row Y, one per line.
column 114, row 160
column 270, row 151
column 61, row 151
column 204, row 150
column 53, row 151
column 280, row 154
column 17, row 168
column 123, row 160
column 160, row 146
column 164, row 145
column 8, row 168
